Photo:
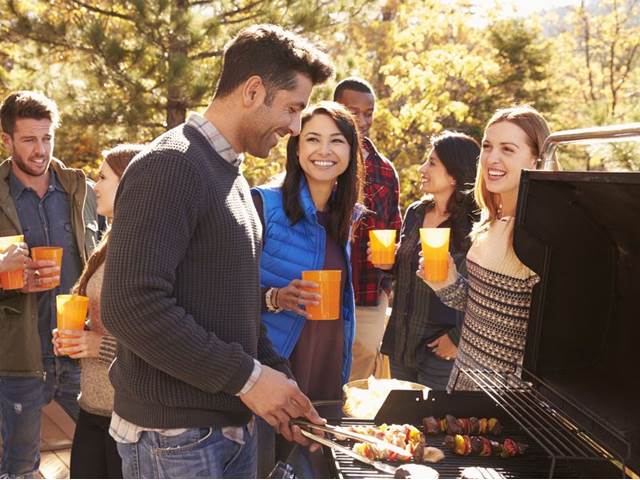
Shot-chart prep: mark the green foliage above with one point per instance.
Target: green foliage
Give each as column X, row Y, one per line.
column 596, row 65
column 127, row 70
column 130, row 70
column 433, row 70
column 523, row 58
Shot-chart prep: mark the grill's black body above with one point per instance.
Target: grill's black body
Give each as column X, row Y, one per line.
column 580, row 232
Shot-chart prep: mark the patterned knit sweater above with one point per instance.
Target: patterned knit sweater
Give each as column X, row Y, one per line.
column 496, row 297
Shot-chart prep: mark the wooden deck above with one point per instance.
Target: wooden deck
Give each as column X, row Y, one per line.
column 55, row 447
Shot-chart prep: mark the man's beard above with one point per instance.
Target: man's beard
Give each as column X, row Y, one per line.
column 23, row 167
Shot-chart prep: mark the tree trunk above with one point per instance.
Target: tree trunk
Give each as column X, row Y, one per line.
column 176, row 109
column 176, row 101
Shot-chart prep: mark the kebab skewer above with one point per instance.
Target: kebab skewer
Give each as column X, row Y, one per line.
column 483, row 447
column 462, row 426
column 406, row 437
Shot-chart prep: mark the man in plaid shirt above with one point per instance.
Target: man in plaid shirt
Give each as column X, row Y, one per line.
column 381, row 196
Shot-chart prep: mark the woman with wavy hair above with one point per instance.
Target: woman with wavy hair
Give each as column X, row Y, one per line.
column 496, row 293
column 94, row 453
column 422, row 335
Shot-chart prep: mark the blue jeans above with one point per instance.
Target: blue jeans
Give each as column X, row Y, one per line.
column 196, row 453
column 21, row 402
column 273, row 448
column 62, row 384
column 431, row 370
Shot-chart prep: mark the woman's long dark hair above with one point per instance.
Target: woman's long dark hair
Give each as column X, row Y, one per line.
column 459, row 154
column 348, row 187
column 117, row 158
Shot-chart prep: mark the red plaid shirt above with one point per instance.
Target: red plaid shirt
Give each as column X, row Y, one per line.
column 381, row 198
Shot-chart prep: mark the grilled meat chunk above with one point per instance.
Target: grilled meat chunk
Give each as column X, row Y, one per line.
column 462, row 426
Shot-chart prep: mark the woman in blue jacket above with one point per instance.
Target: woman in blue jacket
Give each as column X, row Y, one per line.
column 306, row 226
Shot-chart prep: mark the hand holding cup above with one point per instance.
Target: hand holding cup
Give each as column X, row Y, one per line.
column 382, row 244
column 294, row 296
column 41, row 275
column 328, row 284
column 452, row 272
column 76, row 343
column 370, row 259
column 435, row 250
column 15, row 257
column 14, row 254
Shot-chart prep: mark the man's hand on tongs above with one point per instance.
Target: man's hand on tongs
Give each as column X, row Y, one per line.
column 297, row 435
column 277, row 399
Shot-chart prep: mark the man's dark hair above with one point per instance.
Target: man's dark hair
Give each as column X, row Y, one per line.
column 27, row 104
column 356, row 84
column 275, row 55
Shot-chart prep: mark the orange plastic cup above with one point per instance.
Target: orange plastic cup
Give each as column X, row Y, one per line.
column 71, row 312
column 48, row 253
column 329, row 281
column 383, row 246
column 435, row 250
column 14, row 279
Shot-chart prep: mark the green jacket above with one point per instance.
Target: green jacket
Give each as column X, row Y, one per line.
column 20, row 353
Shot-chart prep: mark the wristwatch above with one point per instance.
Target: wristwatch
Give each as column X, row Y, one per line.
column 267, row 299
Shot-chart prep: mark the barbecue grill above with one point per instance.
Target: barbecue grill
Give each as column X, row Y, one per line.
column 575, row 398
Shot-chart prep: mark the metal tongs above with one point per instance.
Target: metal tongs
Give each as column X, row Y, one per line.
column 343, row 432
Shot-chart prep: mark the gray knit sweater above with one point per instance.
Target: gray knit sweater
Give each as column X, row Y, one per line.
column 181, row 291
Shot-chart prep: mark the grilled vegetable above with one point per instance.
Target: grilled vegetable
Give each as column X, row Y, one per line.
column 494, row 427
column 405, row 437
column 482, row 446
column 462, row 445
column 462, row 426
column 366, row 450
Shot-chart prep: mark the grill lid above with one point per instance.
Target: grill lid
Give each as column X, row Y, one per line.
column 580, row 231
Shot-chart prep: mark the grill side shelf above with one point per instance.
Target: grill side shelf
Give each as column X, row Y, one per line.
column 546, row 423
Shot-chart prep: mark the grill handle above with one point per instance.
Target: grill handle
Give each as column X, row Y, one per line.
column 610, row 133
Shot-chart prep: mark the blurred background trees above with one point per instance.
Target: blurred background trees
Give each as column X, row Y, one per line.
column 128, row 70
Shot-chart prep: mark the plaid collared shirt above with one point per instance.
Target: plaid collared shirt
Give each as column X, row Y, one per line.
column 381, row 198
column 211, row 133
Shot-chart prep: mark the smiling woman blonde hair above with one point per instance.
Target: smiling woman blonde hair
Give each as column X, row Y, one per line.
column 536, row 130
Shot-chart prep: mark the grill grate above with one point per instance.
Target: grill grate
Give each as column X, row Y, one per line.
column 556, row 433
column 535, row 463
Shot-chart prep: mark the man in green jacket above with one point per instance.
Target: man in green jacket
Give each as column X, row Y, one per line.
column 49, row 204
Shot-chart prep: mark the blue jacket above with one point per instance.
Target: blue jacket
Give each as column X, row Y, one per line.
column 287, row 251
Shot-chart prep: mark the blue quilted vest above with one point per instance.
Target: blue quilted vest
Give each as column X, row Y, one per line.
column 287, row 251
